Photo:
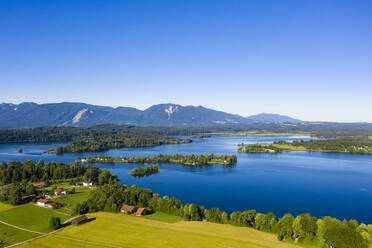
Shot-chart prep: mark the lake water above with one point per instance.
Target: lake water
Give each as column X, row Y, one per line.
column 335, row 184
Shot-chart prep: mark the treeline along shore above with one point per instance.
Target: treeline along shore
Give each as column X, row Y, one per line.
column 340, row 145
column 187, row 160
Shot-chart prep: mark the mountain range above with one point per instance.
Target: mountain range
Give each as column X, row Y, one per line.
column 28, row 115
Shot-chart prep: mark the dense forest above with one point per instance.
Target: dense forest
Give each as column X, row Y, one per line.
column 188, row 160
column 304, row 228
column 117, row 141
column 70, row 134
column 344, row 145
column 144, row 171
column 16, row 178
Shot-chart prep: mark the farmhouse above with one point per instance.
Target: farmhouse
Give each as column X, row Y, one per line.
column 39, row 185
column 87, row 184
column 140, row 211
column 79, row 220
column 127, row 209
column 46, row 203
column 59, row 192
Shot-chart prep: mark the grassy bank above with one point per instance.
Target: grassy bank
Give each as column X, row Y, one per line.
column 110, row 230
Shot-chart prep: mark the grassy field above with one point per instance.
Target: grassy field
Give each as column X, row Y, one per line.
column 69, row 201
column 118, row 230
column 11, row 235
column 30, row 217
column 159, row 216
column 4, row 206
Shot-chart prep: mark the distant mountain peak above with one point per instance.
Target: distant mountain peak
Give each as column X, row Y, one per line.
column 270, row 117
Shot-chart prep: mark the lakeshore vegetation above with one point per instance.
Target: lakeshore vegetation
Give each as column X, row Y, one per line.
column 342, row 145
column 187, row 160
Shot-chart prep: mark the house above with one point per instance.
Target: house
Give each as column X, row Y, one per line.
column 28, row 198
column 79, row 220
column 127, row 209
column 46, row 203
column 39, row 185
column 87, row 184
column 59, row 192
column 140, row 211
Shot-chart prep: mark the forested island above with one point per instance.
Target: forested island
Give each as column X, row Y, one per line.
column 187, row 160
column 117, row 141
column 144, row 171
column 342, row 145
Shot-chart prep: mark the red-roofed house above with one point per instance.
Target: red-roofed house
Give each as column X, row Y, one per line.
column 140, row 211
column 59, row 192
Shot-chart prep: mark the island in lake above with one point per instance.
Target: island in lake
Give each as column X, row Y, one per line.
column 187, row 160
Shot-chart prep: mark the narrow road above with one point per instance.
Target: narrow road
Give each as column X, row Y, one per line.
column 20, row 228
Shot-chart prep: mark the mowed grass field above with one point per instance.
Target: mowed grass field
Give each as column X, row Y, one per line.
column 30, row 217
column 118, row 230
column 11, row 235
column 4, row 206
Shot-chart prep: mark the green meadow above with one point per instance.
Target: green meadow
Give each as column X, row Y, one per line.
column 119, row 230
column 31, row 217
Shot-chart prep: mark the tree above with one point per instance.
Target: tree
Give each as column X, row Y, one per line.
column 342, row 236
column 104, row 177
column 285, row 230
column 54, row 223
column 305, row 227
column 195, row 212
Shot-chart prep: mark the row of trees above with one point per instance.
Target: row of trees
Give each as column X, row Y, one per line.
column 188, row 160
column 117, row 141
column 144, row 171
column 306, row 229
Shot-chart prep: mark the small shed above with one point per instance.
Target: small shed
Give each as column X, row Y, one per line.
column 79, row 220
column 127, row 209
column 140, row 211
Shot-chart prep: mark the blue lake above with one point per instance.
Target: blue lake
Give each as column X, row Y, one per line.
column 335, row 184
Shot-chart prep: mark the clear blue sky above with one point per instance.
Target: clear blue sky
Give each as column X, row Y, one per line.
column 308, row 59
